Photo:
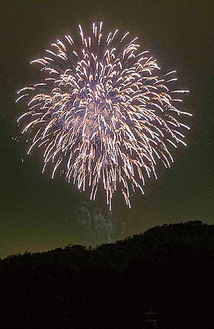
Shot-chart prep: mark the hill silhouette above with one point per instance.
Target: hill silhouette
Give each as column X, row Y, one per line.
column 163, row 278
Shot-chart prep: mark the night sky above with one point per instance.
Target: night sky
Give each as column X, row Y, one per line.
column 37, row 213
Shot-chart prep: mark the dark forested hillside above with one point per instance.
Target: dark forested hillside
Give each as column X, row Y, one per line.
column 163, row 278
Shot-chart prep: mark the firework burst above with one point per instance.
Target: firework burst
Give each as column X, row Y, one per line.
column 103, row 114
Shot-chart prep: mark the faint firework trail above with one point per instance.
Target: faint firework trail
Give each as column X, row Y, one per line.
column 102, row 113
column 98, row 227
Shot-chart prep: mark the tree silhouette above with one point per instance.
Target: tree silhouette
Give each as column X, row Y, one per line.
column 168, row 270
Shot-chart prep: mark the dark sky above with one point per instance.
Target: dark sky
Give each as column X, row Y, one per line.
column 37, row 213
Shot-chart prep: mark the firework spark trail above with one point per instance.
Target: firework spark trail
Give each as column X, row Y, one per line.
column 103, row 113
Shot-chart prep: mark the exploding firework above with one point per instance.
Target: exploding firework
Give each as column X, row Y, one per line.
column 103, row 114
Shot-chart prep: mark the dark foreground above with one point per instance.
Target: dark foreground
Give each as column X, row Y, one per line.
column 169, row 270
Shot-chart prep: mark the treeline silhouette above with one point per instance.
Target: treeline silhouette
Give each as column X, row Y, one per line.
column 163, row 279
